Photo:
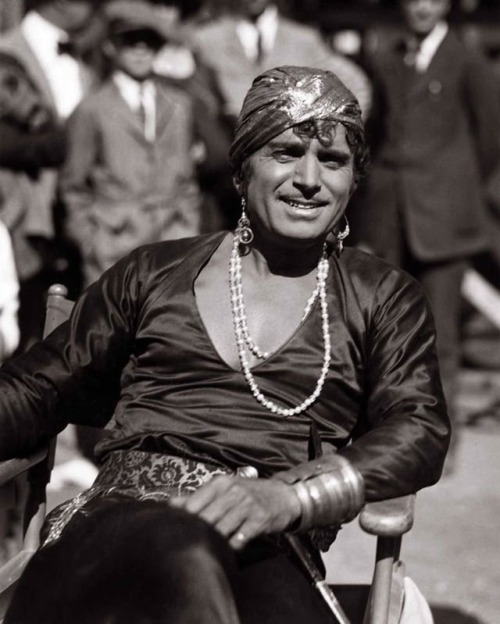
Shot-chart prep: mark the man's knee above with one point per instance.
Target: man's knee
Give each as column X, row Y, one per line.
column 185, row 566
column 191, row 543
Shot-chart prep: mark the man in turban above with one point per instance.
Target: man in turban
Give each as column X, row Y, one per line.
column 290, row 96
column 254, row 37
column 217, row 449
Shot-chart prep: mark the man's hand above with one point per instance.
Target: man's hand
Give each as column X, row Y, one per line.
column 242, row 509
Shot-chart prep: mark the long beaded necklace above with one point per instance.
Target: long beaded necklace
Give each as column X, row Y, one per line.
column 244, row 340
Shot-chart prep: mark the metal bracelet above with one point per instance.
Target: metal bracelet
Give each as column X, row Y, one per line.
column 306, row 505
column 331, row 498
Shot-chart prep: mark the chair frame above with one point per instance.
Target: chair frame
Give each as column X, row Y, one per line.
column 387, row 520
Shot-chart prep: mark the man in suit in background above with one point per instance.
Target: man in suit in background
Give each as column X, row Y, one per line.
column 40, row 46
column 130, row 176
column 255, row 38
column 439, row 125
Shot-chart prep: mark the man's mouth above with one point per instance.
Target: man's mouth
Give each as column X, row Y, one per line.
column 302, row 205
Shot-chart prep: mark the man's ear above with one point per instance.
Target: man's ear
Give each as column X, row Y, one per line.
column 238, row 184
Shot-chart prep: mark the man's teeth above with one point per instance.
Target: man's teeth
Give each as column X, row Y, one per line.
column 301, row 206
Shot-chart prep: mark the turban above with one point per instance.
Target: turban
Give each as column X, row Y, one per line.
column 285, row 97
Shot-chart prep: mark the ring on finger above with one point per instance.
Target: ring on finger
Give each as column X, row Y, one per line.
column 240, row 537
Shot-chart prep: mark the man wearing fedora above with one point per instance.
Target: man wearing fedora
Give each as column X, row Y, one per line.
column 129, row 177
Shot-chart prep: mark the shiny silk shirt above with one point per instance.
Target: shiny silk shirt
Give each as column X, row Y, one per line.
column 136, row 347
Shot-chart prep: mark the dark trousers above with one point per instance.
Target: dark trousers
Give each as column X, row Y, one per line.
column 139, row 562
column 442, row 283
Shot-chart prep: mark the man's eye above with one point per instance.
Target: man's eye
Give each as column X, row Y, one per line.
column 333, row 162
column 284, row 156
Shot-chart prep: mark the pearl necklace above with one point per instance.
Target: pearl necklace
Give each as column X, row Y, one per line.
column 244, row 340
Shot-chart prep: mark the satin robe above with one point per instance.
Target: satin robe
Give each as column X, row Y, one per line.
column 136, row 353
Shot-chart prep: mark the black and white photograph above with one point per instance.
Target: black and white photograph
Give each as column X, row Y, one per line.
column 249, row 311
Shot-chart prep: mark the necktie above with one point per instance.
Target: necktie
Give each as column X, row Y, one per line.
column 147, row 110
column 412, row 50
column 66, row 47
column 260, row 49
column 142, row 108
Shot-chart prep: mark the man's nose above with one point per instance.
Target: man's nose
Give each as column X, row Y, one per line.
column 307, row 174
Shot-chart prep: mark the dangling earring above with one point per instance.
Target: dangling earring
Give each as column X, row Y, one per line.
column 341, row 236
column 243, row 229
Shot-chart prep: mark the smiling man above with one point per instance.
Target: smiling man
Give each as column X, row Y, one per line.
column 305, row 178
column 267, row 351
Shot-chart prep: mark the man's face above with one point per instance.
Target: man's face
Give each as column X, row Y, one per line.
column 422, row 15
column 251, row 9
column 298, row 186
column 18, row 99
column 74, row 14
column 134, row 53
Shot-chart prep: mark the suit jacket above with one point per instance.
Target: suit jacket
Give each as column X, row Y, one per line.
column 439, row 145
column 121, row 190
column 220, row 48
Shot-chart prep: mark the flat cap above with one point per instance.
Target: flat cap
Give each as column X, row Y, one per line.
column 124, row 16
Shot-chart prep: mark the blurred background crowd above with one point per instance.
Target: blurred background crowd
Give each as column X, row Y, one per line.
column 116, row 118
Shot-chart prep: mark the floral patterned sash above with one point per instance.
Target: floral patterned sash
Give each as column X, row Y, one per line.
column 139, row 475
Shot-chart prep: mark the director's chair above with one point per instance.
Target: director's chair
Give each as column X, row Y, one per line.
column 379, row 603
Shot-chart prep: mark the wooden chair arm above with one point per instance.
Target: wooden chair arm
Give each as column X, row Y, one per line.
column 388, row 518
column 13, row 467
column 13, row 569
column 58, row 308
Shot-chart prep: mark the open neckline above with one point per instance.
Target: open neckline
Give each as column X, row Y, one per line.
column 206, row 333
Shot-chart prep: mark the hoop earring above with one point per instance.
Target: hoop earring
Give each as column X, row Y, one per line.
column 243, row 229
column 341, row 236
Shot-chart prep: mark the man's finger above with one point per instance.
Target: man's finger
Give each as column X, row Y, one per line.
column 204, row 496
column 240, row 538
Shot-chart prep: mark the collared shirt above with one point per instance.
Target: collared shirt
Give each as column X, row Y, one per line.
column 428, row 47
column 139, row 95
column 61, row 70
column 265, row 26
